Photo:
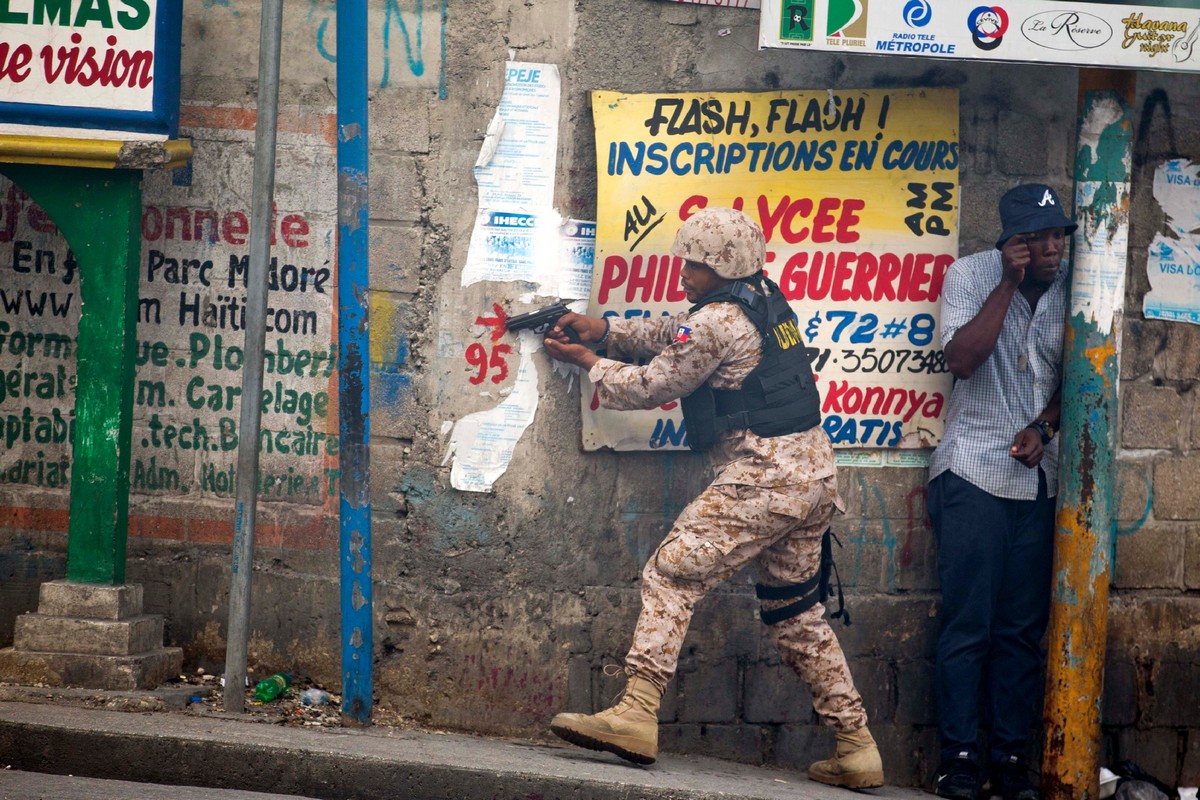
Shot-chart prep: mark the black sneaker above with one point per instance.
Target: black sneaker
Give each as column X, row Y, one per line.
column 957, row 778
column 1010, row 780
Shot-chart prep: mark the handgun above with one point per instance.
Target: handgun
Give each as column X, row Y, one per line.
column 542, row 320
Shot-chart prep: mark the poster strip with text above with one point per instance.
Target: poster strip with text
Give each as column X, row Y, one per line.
column 1154, row 34
column 857, row 193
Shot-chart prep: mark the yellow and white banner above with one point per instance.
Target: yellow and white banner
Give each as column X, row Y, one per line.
column 1152, row 34
column 857, row 193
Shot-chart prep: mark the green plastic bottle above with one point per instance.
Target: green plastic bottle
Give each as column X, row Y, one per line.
column 270, row 689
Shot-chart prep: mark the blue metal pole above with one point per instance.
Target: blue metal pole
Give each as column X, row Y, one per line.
column 354, row 397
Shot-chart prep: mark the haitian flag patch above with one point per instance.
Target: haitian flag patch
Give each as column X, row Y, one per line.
column 683, row 333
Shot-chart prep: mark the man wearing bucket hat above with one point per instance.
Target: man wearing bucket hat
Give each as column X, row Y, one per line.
column 993, row 479
column 737, row 360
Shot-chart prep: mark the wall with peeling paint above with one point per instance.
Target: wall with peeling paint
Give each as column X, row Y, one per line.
column 1153, row 658
column 493, row 611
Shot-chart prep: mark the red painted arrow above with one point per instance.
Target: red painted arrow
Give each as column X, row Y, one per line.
column 498, row 322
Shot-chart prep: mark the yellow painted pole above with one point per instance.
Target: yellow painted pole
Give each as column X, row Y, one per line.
column 1083, row 532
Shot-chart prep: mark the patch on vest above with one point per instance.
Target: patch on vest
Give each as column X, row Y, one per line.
column 683, row 334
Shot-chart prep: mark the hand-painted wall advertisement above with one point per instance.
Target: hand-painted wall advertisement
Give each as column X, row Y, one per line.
column 857, row 193
column 190, row 350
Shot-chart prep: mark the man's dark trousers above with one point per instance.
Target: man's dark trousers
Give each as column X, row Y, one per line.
column 995, row 557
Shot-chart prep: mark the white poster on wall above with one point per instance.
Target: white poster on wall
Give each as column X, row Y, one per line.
column 516, row 232
column 1173, row 263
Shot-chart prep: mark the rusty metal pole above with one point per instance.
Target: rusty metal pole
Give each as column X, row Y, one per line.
column 1083, row 531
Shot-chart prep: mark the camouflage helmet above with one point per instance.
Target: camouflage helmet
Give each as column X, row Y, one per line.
column 726, row 240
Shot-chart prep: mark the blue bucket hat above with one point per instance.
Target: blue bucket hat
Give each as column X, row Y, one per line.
column 1031, row 207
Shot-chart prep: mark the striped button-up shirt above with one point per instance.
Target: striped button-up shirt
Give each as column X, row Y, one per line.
column 1009, row 389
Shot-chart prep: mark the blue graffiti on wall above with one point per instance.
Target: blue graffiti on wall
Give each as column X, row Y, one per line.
column 1118, row 531
column 669, row 509
column 859, row 540
column 394, row 377
column 226, row 4
column 408, row 29
column 438, row 518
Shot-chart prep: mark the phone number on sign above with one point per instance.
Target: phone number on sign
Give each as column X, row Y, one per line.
column 872, row 359
column 866, row 328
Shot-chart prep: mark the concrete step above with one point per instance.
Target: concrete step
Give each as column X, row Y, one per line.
column 138, row 671
column 68, row 599
column 105, row 637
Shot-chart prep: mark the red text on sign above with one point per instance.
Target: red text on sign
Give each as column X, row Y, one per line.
column 828, row 219
column 849, row 275
column 645, row 278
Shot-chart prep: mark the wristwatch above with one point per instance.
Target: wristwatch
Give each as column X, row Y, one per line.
column 1044, row 428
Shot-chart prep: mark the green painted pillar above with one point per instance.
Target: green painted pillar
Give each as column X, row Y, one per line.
column 1083, row 534
column 99, row 213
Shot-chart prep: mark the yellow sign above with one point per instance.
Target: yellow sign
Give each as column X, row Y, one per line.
column 857, row 193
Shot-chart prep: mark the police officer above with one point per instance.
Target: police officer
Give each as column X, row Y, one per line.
column 738, row 362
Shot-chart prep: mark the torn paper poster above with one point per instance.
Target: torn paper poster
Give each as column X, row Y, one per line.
column 1101, row 243
column 578, row 256
column 554, row 255
column 1173, row 263
column 516, row 234
column 515, row 246
column 1101, row 251
column 515, row 169
column 482, row 443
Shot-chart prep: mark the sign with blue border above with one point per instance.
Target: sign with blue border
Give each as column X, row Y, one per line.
column 90, row 69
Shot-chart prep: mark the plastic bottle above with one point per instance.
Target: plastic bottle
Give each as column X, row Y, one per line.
column 271, row 688
column 314, row 697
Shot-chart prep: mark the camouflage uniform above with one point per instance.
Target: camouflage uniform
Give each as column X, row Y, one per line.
column 770, row 501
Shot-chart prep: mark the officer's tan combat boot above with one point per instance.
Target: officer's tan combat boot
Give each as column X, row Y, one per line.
column 856, row 764
column 629, row 729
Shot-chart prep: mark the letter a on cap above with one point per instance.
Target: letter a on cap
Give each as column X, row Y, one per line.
column 1047, row 199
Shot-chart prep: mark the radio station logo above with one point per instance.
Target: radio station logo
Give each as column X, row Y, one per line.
column 796, row 21
column 987, row 24
column 917, row 13
column 1066, row 30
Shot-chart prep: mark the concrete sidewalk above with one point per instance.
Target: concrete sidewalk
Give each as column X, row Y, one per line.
column 179, row 749
column 17, row 785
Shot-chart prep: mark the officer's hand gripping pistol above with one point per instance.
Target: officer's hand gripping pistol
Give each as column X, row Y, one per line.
column 542, row 320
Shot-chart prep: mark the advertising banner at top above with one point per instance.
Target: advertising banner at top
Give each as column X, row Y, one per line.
column 1155, row 35
column 96, row 69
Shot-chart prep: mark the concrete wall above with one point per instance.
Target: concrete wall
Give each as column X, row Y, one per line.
column 1153, row 646
column 493, row 611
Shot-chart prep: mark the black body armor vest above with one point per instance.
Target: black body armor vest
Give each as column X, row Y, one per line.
column 779, row 396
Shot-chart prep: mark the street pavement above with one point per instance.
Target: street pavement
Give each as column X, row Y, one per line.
column 177, row 749
column 17, row 785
